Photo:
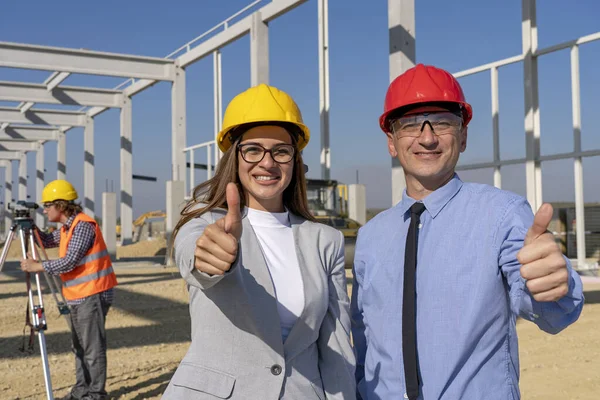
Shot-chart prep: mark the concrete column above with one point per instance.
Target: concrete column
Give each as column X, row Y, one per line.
column 23, row 177
column 40, row 221
column 324, row 87
column 533, row 169
column 109, row 222
column 175, row 203
column 357, row 203
column 89, row 185
column 126, row 173
column 259, row 50
column 178, row 126
column 402, row 34
column 61, row 156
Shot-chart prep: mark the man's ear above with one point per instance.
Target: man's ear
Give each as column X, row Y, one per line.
column 463, row 139
column 391, row 145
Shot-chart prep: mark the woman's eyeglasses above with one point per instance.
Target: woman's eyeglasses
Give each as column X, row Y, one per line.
column 254, row 153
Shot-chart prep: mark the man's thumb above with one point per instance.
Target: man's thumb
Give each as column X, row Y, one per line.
column 541, row 220
column 234, row 215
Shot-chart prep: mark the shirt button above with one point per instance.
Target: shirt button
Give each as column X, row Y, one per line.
column 276, row 369
column 405, row 396
column 420, row 226
column 534, row 316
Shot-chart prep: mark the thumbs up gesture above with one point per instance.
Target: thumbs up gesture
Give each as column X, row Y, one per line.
column 217, row 248
column 542, row 263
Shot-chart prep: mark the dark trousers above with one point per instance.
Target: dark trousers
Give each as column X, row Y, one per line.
column 89, row 345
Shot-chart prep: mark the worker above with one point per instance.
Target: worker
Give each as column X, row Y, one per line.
column 270, row 315
column 88, row 279
column 441, row 277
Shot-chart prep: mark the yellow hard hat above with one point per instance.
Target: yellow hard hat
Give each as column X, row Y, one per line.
column 261, row 103
column 58, row 190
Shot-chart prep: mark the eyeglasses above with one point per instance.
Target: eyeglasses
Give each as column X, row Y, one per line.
column 48, row 205
column 254, row 153
column 441, row 123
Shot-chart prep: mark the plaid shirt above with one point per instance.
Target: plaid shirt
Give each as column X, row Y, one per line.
column 80, row 243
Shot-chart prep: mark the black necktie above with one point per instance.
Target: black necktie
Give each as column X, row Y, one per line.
column 409, row 321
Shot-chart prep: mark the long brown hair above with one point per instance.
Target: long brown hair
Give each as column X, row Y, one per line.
column 212, row 193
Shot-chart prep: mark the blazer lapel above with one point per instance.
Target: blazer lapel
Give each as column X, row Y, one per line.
column 259, row 288
column 304, row 330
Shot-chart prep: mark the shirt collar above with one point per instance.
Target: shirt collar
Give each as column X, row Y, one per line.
column 436, row 201
column 69, row 222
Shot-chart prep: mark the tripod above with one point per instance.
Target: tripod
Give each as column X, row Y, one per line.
column 29, row 235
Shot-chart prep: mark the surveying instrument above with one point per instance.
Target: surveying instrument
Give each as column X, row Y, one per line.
column 29, row 234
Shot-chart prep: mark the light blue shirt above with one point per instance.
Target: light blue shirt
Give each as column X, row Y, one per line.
column 469, row 292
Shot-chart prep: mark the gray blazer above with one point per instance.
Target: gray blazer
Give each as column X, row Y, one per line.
column 237, row 350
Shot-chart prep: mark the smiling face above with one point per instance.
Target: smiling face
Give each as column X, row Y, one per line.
column 428, row 159
column 264, row 181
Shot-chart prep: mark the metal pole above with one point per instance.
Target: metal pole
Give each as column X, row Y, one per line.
column 496, row 126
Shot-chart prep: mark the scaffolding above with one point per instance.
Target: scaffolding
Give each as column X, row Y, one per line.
column 27, row 128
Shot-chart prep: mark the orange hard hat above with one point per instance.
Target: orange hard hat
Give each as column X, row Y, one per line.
column 420, row 85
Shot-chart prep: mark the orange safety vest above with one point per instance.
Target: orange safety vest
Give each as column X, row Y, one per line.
column 94, row 273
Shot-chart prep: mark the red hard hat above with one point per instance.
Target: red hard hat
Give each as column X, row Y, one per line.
column 423, row 84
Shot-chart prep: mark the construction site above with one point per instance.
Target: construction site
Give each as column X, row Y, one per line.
column 148, row 326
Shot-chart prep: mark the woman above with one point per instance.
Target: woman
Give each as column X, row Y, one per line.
column 268, row 300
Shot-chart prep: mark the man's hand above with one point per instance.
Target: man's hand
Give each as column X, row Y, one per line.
column 29, row 265
column 542, row 263
column 217, row 248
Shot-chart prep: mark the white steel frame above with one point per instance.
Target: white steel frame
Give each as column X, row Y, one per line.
column 534, row 159
column 39, row 125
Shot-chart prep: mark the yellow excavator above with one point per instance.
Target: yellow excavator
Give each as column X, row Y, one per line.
column 138, row 224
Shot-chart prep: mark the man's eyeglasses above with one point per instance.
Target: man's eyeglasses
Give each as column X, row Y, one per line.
column 254, row 153
column 48, row 205
column 441, row 123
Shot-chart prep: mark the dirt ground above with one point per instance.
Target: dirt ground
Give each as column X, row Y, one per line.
column 148, row 334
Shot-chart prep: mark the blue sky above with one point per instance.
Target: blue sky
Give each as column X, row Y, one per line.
column 452, row 35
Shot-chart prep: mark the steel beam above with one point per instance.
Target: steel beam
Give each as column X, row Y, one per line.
column 55, row 79
column 68, row 95
column 178, row 126
column 42, row 117
column 9, row 145
column 323, row 16
column 29, row 133
column 577, row 162
column 10, row 155
column 16, row 55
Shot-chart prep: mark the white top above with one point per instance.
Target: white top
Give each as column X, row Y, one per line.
column 275, row 236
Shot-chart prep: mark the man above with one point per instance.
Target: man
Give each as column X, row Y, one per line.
column 440, row 278
column 88, row 279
